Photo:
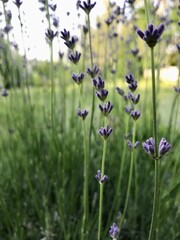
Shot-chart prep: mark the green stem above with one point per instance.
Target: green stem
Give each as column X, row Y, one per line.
column 155, row 202
column 93, row 95
column 146, row 11
column 101, row 187
column 155, row 134
column 84, row 230
column 130, row 178
column 154, row 218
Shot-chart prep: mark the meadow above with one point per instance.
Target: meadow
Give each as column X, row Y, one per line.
column 89, row 145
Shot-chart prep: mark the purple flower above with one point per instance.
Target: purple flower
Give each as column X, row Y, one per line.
column 178, row 47
column 130, row 145
column 74, row 57
column 17, row 3
column 4, row 93
column 50, row 34
column 55, row 22
column 53, row 7
column 149, row 147
column 106, row 109
column 177, row 89
column 101, row 179
column 114, row 231
column 151, row 35
column 135, row 114
column 7, row 28
column 93, row 72
column 85, row 29
column 135, row 52
column 105, row 132
column 82, row 114
column 98, row 83
column 129, row 109
column 71, row 43
column 132, row 83
column 133, row 98
column 65, row 35
column 87, row 6
column 164, row 147
column 78, row 78
column 120, row 91
column 102, row 94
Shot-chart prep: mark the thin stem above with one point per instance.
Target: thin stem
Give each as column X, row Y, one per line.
column 154, row 102
column 155, row 202
column 84, row 230
column 154, row 218
column 130, row 178
column 146, row 11
column 102, row 187
column 93, row 97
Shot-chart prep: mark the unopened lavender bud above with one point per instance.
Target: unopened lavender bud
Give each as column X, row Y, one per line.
column 177, row 89
column 106, row 109
column 101, row 179
column 164, row 147
column 105, row 132
column 120, row 91
column 74, row 57
column 114, row 231
column 151, row 35
column 102, row 95
column 78, row 78
column 87, row 6
column 93, row 72
column 133, row 98
column 135, row 114
column 98, row 83
column 82, row 114
column 149, row 147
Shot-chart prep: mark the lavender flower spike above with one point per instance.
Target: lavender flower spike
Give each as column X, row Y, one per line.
column 106, row 109
column 87, row 6
column 98, row 83
column 164, row 147
column 93, row 72
column 74, row 57
column 102, row 95
column 101, row 179
column 78, row 78
column 149, row 147
column 114, row 231
column 135, row 114
column 105, row 132
column 151, row 35
column 82, row 114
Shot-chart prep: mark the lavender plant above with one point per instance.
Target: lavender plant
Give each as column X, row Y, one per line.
column 151, row 36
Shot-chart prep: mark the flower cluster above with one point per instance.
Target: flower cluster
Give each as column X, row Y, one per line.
column 114, row 231
column 105, row 132
column 78, row 78
column 101, row 179
column 87, row 6
column 149, row 147
column 93, row 72
column 151, row 35
column 99, row 85
column 50, row 34
column 82, row 114
column 106, row 109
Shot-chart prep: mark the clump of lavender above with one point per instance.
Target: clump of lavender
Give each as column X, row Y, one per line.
column 152, row 36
